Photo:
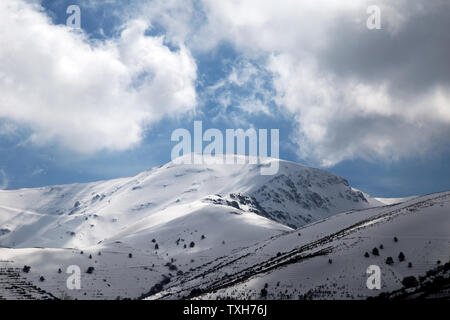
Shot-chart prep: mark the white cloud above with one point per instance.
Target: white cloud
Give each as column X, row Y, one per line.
column 341, row 118
column 88, row 96
column 7, row 129
column 250, row 80
column 354, row 93
column 38, row 171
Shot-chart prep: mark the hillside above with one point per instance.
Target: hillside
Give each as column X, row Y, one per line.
column 224, row 229
column 81, row 215
column 326, row 260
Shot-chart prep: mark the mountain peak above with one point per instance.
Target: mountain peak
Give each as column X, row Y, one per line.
column 83, row 214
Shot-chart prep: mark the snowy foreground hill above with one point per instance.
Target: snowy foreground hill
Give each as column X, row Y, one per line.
column 215, row 231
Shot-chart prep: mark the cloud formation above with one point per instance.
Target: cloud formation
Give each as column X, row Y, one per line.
column 354, row 92
column 88, row 95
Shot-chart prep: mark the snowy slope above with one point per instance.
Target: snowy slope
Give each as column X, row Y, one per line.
column 81, row 215
column 296, row 265
column 186, row 236
column 223, row 228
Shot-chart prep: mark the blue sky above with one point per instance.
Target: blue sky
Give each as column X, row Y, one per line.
column 369, row 105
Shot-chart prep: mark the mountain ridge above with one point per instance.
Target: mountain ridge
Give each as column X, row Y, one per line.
column 219, row 229
column 297, row 195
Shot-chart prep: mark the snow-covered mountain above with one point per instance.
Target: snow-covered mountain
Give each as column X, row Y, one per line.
column 172, row 229
column 81, row 215
column 329, row 259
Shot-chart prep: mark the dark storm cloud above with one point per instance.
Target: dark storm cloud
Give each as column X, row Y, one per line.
column 412, row 59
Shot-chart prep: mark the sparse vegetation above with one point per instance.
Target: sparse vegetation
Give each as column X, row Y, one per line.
column 366, row 254
column 263, row 292
column 389, row 260
column 196, row 292
column 434, row 283
column 130, row 255
column 401, row 257
column 375, row 252
column 171, row 266
column 90, row 270
column 41, row 279
column 410, row 282
column 395, row 239
column 192, row 244
column 26, row 269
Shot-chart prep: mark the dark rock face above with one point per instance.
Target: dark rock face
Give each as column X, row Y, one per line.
column 297, row 197
column 240, row 202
